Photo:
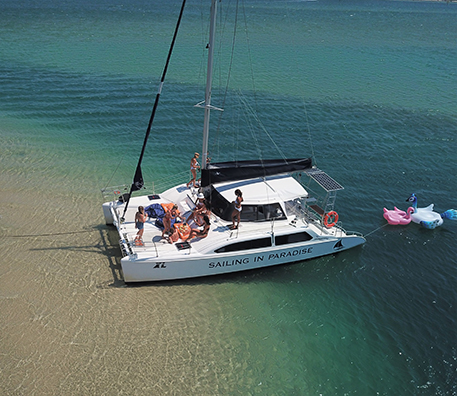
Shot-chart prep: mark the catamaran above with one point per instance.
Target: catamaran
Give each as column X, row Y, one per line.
column 282, row 221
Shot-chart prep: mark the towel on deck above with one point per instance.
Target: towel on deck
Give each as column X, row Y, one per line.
column 155, row 210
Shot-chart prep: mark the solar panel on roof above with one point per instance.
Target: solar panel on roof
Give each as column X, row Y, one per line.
column 324, row 180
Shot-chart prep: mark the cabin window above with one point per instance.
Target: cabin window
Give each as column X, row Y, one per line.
column 292, row 238
column 262, row 212
column 245, row 245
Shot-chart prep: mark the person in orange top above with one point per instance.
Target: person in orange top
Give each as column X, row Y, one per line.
column 170, row 215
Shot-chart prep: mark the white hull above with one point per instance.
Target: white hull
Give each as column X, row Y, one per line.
column 158, row 260
column 157, row 269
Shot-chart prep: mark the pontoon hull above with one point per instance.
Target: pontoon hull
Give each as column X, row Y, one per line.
column 141, row 270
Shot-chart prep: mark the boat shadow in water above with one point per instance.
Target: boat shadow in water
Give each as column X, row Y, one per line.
column 108, row 246
column 110, row 243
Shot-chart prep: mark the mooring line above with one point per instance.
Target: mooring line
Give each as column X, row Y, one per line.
column 46, row 235
column 376, row 230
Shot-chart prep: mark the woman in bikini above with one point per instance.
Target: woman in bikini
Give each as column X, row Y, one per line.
column 200, row 233
column 166, row 223
column 193, row 169
column 173, row 236
column 140, row 218
column 169, row 216
column 198, row 208
column 236, row 214
column 204, row 211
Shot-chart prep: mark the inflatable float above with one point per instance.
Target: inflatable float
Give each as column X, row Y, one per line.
column 426, row 217
column 397, row 216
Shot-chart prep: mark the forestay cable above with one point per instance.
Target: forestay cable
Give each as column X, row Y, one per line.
column 138, row 181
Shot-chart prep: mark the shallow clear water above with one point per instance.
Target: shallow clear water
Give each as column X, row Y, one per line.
column 374, row 82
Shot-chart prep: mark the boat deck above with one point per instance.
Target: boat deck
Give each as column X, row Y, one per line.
column 220, row 233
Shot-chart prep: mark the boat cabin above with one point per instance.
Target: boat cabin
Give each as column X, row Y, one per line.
column 265, row 199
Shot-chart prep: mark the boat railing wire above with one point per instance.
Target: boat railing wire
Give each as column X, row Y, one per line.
column 114, row 193
column 303, row 211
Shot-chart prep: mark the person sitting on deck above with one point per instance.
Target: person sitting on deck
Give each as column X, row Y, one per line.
column 198, row 206
column 167, row 220
column 202, row 208
column 204, row 211
column 200, row 233
column 173, row 236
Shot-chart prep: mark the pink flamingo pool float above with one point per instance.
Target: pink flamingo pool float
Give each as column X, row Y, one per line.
column 397, row 216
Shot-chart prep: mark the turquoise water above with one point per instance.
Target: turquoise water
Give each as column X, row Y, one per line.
column 367, row 87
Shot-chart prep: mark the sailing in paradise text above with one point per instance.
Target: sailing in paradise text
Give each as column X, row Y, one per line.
column 259, row 258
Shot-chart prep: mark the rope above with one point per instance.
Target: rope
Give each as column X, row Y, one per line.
column 49, row 234
column 249, row 55
column 377, row 229
column 138, row 178
column 254, row 115
column 250, row 126
column 232, row 53
column 111, row 178
column 138, row 181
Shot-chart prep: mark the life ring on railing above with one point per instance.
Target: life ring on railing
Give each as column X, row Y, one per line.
column 330, row 219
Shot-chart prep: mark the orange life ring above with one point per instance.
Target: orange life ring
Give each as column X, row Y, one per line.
column 330, row 219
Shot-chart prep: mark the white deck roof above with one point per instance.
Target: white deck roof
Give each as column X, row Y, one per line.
column 262, row 191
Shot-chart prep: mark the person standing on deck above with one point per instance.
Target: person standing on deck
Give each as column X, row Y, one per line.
column 140, row 218
column 236, row 214
column 193, row 169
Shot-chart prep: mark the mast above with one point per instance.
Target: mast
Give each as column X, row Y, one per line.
column 209, row 79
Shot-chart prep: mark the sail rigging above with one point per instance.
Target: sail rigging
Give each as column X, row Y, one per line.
column 268, row 231
column 138, row 181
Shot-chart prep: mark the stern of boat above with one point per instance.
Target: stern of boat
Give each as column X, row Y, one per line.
column 109, row 219
column 113, row 196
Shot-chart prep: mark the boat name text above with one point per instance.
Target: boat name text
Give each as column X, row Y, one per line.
column 260, row 258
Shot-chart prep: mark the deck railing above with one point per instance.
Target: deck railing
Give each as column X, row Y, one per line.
column 308, row 211
column 114, row 193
